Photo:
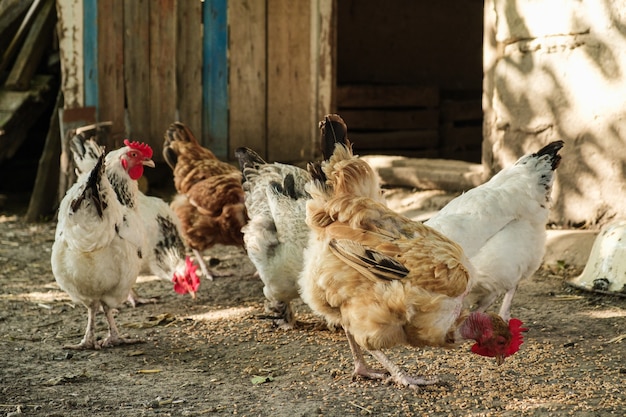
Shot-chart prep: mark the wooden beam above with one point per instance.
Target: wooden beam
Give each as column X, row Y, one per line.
column 19, row 110
column 324, row 66
column 90, row 52
column 16, row 41
column 12, row 13
column 215, row 77
column 70, row 33
column 38, row 40
column 43, row 199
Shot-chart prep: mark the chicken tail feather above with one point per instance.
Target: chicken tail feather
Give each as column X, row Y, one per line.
column 247, row 158
column 92, row 189
column 334, row 130
column 552, row 149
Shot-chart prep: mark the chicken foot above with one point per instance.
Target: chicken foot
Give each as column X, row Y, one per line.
column 284, row 318
column 398, row 375
column 89, row 340
column 202, row 264
column 114, row 338
column 134, row 299
column 360, row 367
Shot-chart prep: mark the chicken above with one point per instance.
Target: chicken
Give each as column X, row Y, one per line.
column 98, row 247
column 501, row 226
column 276, row 234
column 165, row 252
column 210, row 201
column 387, row 280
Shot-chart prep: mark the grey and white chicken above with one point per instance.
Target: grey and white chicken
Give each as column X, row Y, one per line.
column 501, row 226
column 276, row 234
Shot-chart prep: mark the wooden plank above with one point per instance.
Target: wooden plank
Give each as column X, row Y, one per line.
column 137, row 69
column 400, row 140
column 189, row 64
column 461, row 110
column 12, row 13
column 289, row 104
column 90, row 52
column 70, row 33
column 368, row 95
column 16, row 42
column 215, row 77
column 385, row 119
column 324, row 65
column 248, row 76
column 433, row 174
column 162, row 71
column 111, row 106
column 38, row 40
column 461, row 136
column 19, row 110
column 43, row 198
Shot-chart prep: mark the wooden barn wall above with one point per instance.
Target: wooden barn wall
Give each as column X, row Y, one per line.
column 419, row 64
column 262, row 73
column 238, row 73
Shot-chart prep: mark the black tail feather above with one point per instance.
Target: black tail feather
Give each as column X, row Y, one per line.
column 334, row 130
column 92, row 189
column 248, row 158
column 552, row 149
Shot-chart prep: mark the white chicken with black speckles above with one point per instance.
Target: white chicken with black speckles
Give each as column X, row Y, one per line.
column 276, row 234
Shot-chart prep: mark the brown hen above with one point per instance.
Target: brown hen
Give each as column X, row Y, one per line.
column 210, row 199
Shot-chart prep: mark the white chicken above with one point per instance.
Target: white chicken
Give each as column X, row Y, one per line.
column 276, row 234
column 165, row 252
column 98, row 246
column 501, row 226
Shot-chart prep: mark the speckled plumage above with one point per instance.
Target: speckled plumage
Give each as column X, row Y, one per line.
column 276, row 234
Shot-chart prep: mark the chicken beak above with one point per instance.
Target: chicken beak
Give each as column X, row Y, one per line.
column 148, row 163
column 499, row 359
column 193, row 295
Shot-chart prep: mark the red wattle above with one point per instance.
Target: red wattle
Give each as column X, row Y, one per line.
column 136, row 172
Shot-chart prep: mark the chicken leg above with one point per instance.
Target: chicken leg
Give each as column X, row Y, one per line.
column 394, row 373
column 89, row 340
column 114, row 339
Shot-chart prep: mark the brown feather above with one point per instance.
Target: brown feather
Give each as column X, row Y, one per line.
column 210, row 201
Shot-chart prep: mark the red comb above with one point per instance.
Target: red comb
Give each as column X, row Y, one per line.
column 144, row 148
column 515, row 326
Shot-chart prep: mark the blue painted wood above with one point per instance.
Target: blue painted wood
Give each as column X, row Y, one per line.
column 90, row 51
column 215, row 78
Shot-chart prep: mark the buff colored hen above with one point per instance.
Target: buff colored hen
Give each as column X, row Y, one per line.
column 387, row 280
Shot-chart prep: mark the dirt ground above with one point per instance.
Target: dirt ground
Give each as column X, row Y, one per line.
column 218, row 355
